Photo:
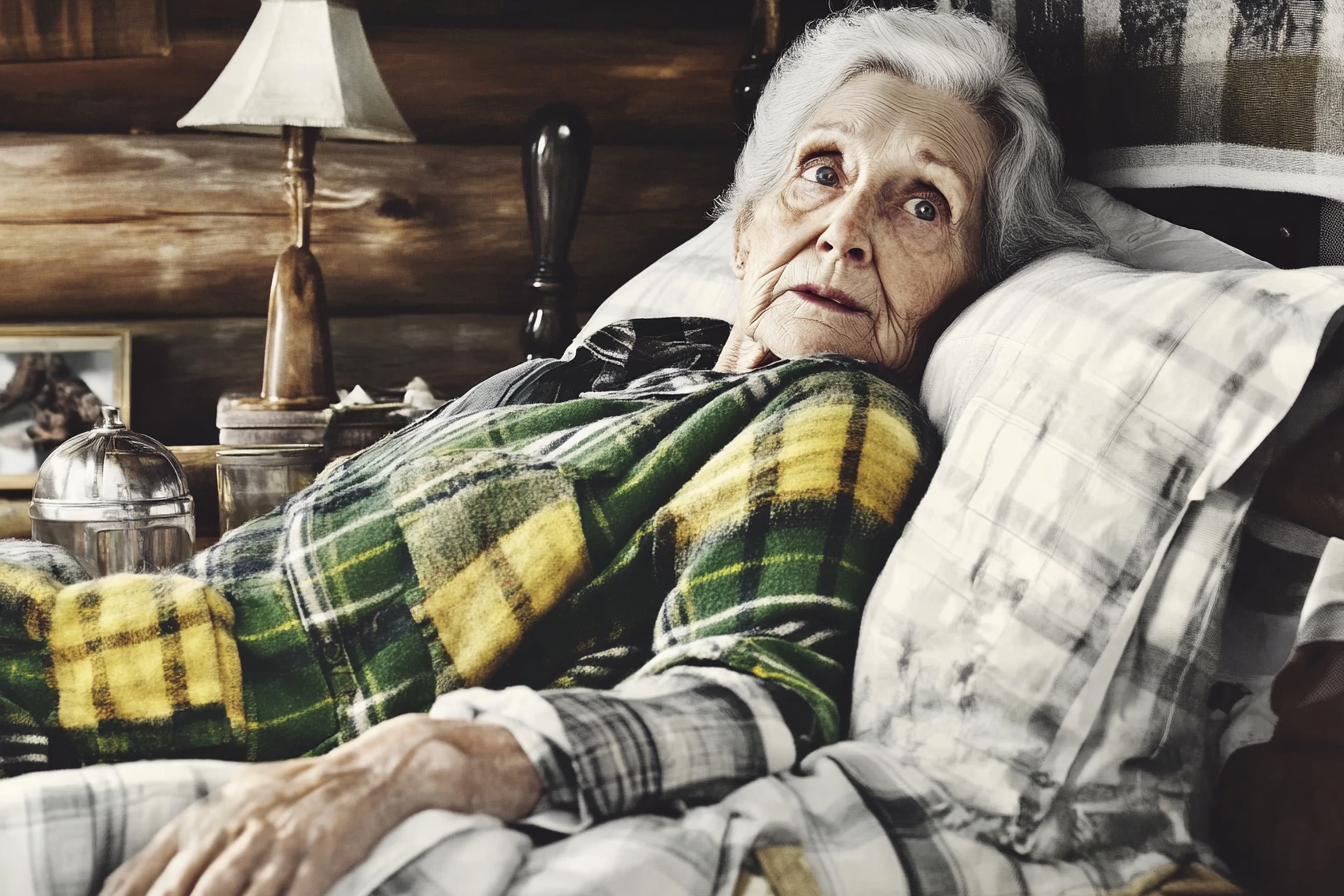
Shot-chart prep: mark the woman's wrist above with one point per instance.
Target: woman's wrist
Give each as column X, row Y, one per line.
column 473, row 767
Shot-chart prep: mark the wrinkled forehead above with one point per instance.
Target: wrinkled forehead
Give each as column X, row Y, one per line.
column 875, row 106
column 878, row 112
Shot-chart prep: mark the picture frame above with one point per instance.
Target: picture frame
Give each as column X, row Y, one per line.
column 48, row 375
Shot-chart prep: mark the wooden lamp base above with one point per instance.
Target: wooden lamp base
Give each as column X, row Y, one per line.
column 297, row 373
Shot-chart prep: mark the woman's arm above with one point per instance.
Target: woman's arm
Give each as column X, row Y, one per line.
column 763, row 561
column 756, row 570
column 296, row 827
column 692, row 734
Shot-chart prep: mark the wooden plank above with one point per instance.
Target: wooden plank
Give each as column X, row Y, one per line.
column 81, row 29
column 179, row 369
column 506, row 13
column 475, row 85
column 14, row 520
column 111, row 227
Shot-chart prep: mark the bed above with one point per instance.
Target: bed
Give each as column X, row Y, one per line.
column 1041, row 645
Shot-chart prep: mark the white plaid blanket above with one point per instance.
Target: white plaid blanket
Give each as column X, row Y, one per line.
column 865, row 823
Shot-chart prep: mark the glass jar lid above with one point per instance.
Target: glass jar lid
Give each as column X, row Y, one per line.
column 110, row 473
column 270, row 456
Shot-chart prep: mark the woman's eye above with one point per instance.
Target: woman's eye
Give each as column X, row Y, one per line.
column 922, row 209
column 825, row 175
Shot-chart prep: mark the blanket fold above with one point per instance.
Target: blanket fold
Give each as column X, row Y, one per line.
column 131, row 666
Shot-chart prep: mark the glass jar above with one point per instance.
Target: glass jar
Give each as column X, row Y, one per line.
column 116, row 499
column 256, row 479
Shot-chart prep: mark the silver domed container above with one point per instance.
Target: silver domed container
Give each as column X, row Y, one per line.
column 116, row 499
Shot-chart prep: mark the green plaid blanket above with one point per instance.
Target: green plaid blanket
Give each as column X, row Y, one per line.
column 739, row 523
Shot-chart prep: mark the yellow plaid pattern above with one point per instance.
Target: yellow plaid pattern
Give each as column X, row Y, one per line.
column 122, row 651
column 808, row 465
column 35, row 592
column 482, row 612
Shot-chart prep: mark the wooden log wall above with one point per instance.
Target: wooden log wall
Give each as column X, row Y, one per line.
column 110, row 215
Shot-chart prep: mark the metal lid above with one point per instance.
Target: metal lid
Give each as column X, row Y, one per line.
column 110, row 473
column 269, row 456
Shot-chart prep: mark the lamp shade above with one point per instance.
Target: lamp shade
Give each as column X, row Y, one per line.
column 304, row 63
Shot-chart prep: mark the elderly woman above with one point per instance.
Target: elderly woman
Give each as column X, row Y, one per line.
column 699, row 506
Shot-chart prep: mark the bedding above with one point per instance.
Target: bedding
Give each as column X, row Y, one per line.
column 1061, row 587
column 1277, row 810
column 554, row 545
column 1076, row 398
column 850, row 820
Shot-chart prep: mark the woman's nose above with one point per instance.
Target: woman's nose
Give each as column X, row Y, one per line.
column 847, row 234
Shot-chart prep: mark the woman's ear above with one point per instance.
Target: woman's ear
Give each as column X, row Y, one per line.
column 741, row 244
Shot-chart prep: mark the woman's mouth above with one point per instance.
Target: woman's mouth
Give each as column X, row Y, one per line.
column 828, row 297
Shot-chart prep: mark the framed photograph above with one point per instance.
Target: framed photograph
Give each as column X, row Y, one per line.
column 54, row 382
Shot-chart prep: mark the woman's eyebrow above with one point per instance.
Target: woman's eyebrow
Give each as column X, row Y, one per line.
column 821, row 129
column 929, row 158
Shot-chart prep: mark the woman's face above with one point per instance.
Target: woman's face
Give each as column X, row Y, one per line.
column 876, row 225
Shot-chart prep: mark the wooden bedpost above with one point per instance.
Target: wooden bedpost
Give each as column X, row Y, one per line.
column 557, row 150
column 753, row 70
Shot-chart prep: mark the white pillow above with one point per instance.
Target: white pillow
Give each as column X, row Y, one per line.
column 696, row 278
column 1042, row 638
column 693, row 280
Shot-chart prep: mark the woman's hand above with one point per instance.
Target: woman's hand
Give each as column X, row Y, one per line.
column 295, row 827
column 742, row 353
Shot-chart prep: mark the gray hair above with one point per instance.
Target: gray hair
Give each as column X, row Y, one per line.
column 1027, row 210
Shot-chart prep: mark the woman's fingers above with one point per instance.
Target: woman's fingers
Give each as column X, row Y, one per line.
column 331, row 831
column 190, row 861
column 293, row 828
column 274, row 877
column 312, row 878
column 230, row 871
column 184, row 868
column 136, row 875
column 173, row 861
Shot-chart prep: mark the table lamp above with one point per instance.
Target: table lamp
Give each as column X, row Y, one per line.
column 303, row 66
